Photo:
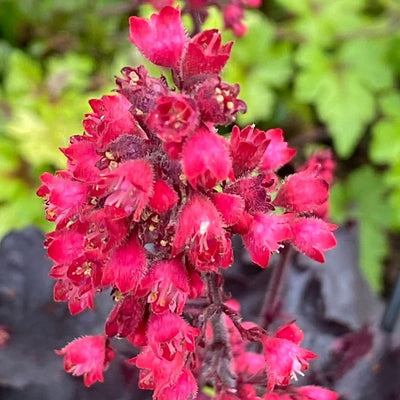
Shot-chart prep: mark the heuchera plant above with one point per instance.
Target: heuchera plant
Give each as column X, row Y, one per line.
column 232, row 11
column 148, row 205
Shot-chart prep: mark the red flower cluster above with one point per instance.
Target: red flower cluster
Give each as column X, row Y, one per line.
column 148, row 205
column 232, row 11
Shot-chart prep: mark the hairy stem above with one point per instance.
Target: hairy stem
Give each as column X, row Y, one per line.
column 218, row 365
column 272, row 301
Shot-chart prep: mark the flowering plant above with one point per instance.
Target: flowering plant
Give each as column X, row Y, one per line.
column 232, row 11
column 148, row 205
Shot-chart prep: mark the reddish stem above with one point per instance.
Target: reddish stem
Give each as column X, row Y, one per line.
column 272, row 301
column 218, row 360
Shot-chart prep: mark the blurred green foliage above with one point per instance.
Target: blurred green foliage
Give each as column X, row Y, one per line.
column 326, row 71
column 57, row 55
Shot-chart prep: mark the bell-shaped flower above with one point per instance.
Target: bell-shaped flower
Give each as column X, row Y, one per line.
column 205, row 55
column 82, row 159
column 266, row 236
column 217, row 101
column 110, row 118
column 126, row 267
column 247, row 148
column 284, row 358
column 173, row 118
column 78, row 299
column 168, row 334
column 125, row 317
column 88, row 356
column 206, row 159
column 130, row 186
column 278, row 153
column 166, row 286
column 325, row 164
column 164, row 197
column 157, row 373
column 200, row 233
column 313, row 236
column 230, row 206
column 184, row 388
column 63, row 196
column 64, row 246
column 160, row 39
column 302, row 191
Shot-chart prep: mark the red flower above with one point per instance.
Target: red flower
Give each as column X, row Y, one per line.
column 164, row 197
column 78, row 300
column 64, row 246
column 247, row 148
column 88, row 356
column 64, row 197
column 312, row 237
column 324, row 163
column 161, row 39
column 173, row 118
column 233, row 16
column 126, row 267
column 217, row 101
column 130, row 186
column 278, row 153
column 316, row 393
column 184, row 388
column 205, row 55
column 157, row 373
column 206, row 160
column 125, row 317
column 200, row 231
column 82, row 159
column 303, row 191
column 284, row 357
column 230, row 206
column 254, row 191
column 168, row 335
column 168, row 284
column 141, row 90
column 110, row 119
column 265, row 236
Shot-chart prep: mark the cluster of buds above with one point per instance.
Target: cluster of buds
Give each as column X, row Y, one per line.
column 150, row 200
column 232, row 11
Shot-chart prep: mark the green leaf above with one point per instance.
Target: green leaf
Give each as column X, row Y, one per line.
column 259, row 99
column 69, row 72
column 364, row 197
column 347, row 107
column 259, row 65
column 338, row 203
column 24, row 74
column 385, row 145
column 299, row 7
column 374, row 249
column 252, row 48
column 368, row 57
column 342, row 100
